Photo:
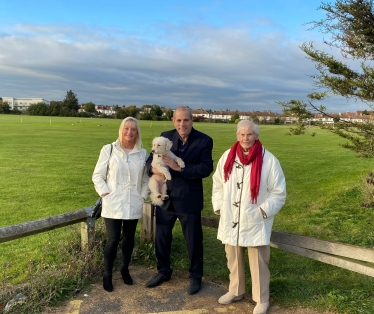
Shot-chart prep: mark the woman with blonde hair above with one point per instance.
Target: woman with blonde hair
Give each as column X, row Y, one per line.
column 121, row 180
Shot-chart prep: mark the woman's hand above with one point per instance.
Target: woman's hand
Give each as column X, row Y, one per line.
column 155, row 171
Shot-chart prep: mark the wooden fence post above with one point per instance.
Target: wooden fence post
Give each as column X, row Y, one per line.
column 148, row 223
column 87, row 232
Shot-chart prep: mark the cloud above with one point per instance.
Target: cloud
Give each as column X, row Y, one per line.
column 197, row 65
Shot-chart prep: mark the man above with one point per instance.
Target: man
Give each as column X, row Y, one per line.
column 185, row 202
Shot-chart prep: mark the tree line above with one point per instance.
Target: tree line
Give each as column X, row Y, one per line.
column 69, row 107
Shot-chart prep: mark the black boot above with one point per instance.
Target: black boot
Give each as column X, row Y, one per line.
column 107, row 283
column 126, row 276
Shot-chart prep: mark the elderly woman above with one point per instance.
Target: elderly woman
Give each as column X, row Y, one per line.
column 121, row 180
column 249, row 188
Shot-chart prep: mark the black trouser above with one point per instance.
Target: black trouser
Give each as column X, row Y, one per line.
column 193, row 234
column 113, row 230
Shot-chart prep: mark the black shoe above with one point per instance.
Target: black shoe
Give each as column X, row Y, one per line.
column 195, row 286
column 107, row 283
column 126, row 277
column 156, row 281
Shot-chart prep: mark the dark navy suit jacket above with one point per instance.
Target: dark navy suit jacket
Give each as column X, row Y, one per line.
column 185, row 189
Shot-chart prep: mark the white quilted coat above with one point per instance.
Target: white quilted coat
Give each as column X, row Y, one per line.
column 127, row 182
column 241, row 222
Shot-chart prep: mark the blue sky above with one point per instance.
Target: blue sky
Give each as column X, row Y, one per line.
column 215, row 55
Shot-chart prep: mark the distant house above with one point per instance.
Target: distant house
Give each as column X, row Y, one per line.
column 22, row 104
column 355, row 117
column 108, row 110
column 223, row 115
column 200, row 113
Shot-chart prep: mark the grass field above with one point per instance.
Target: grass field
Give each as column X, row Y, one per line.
column 46, row 166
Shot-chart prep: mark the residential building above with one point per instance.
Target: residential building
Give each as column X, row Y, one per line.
column 22, row 104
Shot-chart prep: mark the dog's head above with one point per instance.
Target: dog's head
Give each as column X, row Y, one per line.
column 161, row 145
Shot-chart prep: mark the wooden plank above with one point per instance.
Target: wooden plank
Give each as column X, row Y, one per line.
column 352, row 265
column 87, row 233
column 334, row 248
column 209, row 222
column 148, row 223
column 42, row 225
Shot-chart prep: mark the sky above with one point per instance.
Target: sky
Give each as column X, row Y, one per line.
column 239, row 55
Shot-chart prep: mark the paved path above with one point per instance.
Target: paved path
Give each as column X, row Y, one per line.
column 169, row 297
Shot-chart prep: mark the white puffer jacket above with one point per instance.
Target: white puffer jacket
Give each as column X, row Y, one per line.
column 241, row 222
column 126, row 183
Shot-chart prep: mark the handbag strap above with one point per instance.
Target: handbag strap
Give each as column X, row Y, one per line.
column 107, row 166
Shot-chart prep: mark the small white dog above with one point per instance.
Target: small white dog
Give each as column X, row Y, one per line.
column 157, row 183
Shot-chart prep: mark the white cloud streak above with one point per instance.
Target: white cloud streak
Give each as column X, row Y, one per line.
column 195, row 65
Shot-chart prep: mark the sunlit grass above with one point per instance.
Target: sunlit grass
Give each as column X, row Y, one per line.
column 46, row 166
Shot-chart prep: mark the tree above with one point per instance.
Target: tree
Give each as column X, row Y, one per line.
column 349, row 23
column 255, row 119
column 235, row 116
column 4, row 107
column 156, row 112
column 120, row 112
column 132, row 111
column 168, row 114
column 39, row 109
column 71, row 101
column 89, row 107
column 55, row 108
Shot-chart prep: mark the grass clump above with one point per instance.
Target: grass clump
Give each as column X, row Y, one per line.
column 50, row 279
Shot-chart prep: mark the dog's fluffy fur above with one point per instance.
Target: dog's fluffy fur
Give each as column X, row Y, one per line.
column 157, row 183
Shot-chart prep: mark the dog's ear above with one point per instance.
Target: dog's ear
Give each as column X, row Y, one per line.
column 169, row 144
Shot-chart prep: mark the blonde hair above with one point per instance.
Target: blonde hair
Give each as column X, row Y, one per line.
column 138, row 141
column 248, row 125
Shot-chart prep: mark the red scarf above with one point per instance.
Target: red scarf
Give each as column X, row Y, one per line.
column 255, row 157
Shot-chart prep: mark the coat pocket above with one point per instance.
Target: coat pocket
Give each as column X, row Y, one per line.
column 254, row 214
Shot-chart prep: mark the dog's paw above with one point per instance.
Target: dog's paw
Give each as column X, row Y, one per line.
column 157, row 202
column 180, row 163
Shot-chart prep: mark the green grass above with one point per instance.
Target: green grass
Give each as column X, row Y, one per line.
column 46, row 166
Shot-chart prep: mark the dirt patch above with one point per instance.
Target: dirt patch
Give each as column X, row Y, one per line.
column 169, row 297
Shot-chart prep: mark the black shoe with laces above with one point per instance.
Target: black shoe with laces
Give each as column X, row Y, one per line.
column 157, row 280
column 195, row 286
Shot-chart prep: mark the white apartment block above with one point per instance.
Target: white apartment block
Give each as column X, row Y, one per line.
column 22, row 103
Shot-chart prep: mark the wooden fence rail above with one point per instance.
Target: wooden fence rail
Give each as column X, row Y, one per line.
column 354, row 258
column 46, row 224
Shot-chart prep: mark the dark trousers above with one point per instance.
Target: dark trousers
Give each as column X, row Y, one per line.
column 193, row 235
column 113, row 231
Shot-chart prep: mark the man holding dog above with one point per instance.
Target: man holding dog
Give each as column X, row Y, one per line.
column 185, row 190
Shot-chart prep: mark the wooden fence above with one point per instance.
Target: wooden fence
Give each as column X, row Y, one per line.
column 354, row 258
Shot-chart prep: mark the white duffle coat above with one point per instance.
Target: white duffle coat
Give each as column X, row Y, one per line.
column 126, row 182
column 241, row 222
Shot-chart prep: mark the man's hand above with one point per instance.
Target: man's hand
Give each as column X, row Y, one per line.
column 171, row 163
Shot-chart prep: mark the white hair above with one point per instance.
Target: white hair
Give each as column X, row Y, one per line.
column 248, row 125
